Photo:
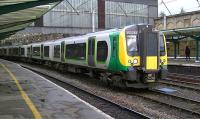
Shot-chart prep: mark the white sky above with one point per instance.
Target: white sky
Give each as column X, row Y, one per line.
column 176, row 5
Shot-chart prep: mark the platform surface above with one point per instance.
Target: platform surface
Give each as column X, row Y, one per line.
column 26, row 95
column 182, row 62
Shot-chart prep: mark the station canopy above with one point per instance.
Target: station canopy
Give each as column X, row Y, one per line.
column 174, row 35
column 15, row 15
column 180, row 33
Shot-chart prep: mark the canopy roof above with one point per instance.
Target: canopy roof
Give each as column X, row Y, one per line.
column 15, row 15
column 186, row 32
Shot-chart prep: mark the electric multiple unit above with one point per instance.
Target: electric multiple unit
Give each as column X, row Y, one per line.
column 135, row 56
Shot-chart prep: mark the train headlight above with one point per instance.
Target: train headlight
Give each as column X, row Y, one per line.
column 135, row 61
column 162, row 61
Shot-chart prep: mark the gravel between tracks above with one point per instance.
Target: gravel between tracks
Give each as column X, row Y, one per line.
column 182, row 92
column 141, row 105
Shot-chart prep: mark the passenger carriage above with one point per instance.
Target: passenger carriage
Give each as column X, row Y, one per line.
column 134, row 56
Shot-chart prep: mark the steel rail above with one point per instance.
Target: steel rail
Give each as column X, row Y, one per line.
column 180, row 84
column 140, row 115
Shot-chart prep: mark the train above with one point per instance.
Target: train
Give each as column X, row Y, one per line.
column 134, row 56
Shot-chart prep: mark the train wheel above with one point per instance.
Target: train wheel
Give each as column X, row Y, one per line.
column 103, row 77
column 117, row 81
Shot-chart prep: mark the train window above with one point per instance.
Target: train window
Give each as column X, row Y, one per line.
column 152, row 49
column 22, row 51
column 76, row 51
column 5, row 51
column 131, row 41
column 15, row 51
column 1, row 51
column 10, row 51
column 102, row 51
column 162, row 46
column 46, row 51
column 28, row 51
column 114, row 46
column 57, row 51
column 36, row 51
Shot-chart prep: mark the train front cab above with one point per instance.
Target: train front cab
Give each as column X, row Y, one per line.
column 139, row 51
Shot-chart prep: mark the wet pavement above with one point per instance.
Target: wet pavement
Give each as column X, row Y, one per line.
column 38, row 98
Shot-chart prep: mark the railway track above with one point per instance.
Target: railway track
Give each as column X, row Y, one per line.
column 113, row 109
column 181, row 84
column 183, row 81
column 172, row 102
column 189, row 79
column 180, row 103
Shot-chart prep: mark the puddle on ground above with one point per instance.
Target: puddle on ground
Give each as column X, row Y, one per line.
column 167, row 90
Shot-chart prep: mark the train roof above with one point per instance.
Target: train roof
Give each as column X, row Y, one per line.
column 87, row 35
column 83, row 36
column 103, row 32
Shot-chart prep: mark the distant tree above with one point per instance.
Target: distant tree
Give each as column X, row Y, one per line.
column 182, row 10
column 162, row 14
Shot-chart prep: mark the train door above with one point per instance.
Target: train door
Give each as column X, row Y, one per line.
column 31, row 51
column 149, row 48
column 41, row 51
column 62, row 51
column 114, row 53
column 91, row 51
column 19, row 49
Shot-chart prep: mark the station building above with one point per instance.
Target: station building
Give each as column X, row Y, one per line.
column 81, row 16
column 181, row 30
column 76, row 17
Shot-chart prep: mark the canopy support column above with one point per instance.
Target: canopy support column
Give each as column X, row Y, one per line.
column 175, row 50
column 197, row 49
column 175, row 53
column 178, row 44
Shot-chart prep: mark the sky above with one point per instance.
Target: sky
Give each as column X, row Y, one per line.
column 176, row 5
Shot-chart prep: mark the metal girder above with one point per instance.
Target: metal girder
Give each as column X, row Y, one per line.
column 189, row 32
column 9, row 2
column 5, row 26
column 17, row 27
column 7, row 34
column 145, row 2
column 25, row 5
column 15, row 15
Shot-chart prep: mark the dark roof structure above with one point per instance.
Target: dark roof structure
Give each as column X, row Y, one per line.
column 15, row 15
column 189, row 31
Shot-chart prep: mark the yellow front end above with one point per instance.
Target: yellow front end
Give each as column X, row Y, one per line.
column 124, row 58
column 151, row 63
column 163, row 58
column 148, row 71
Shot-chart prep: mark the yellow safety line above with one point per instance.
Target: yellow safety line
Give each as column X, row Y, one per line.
column 24, row 95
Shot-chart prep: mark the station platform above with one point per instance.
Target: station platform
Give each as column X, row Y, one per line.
column 182, row 62
column 181, row 66
column 26, row 95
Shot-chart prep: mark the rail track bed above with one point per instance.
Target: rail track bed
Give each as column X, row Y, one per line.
column 189, row 79
column 181, row 84
column 145, row 102
column 185, row 104
column 113, row 109
column 185, row 88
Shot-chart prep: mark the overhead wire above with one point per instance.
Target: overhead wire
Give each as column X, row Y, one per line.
column 166, row 7
column 72, row 7
column 198, row 3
